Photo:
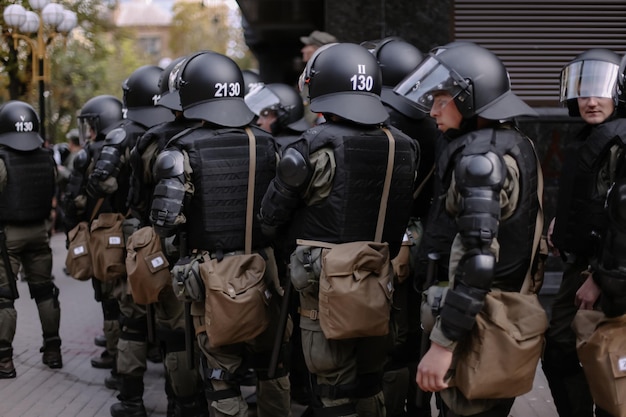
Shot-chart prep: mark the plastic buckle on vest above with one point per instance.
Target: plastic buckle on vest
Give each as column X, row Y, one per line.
column 307, row 264
column 217, row 374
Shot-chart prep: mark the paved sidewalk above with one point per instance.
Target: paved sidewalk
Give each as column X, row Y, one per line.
column 78, row 389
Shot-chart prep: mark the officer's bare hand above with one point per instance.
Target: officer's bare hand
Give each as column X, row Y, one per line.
column 588, row 293
column 433, row 368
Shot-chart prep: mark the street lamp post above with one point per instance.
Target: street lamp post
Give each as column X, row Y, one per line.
column 24, row 23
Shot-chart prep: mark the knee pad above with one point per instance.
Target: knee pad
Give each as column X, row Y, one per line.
column 111, row 309
column 171, row 340
column 43, row 292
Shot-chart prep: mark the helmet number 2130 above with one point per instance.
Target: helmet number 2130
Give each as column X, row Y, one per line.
column 227, row 89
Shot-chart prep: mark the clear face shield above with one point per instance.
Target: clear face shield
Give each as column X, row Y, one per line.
column 86, row 126
column 260, row 98
column 588, row 79
column 429, row 78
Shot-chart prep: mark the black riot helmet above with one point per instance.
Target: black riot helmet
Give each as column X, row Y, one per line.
column 397, row 59
column 282, row 99
column 474, row 76
column 593, row 73
column 169, row 81
column 250, row 80
column 19, row 126
column 100, row 114
column 211, row 89
column 345, row 79
column 141, row 93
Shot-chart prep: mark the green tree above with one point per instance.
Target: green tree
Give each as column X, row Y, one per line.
column 214, row 26
column 94, row 59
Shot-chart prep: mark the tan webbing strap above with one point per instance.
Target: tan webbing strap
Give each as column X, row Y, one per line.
column 96, row 208
column 538, row 225
column 385, row 197
column 315, row 243
column 250, row 202
column 419, row 189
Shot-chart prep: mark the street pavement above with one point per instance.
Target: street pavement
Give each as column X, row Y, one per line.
column 77, row 390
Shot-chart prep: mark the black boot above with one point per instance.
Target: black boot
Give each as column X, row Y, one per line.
column 7, row 368
column 131, row 397
column 191, row 407
column 52, row 353
column 104, row 361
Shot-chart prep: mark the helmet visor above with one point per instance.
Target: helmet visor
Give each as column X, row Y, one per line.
column 588, row 79
column 427, row 80
column 85, row 127
column 260, row 97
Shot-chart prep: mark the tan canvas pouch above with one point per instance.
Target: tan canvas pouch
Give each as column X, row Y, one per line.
column 499, row 359
column 146, row 266
column 78, row 258
column 601, row 348
column 108, row 249
column 236, row 298
column 356, row 288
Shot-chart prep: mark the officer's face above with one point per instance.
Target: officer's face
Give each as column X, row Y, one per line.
column 595, row 110
column 445, row 112
column 265, row 120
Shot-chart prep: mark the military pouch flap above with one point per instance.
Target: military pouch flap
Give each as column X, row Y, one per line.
column 602, row 353
column 78, row 258
column 305, row 266
column 108, row 252
column 186, row 280
column 236, row 298
column 356, row 288
column 433, row 299
column 499, row 358
column 146, row 266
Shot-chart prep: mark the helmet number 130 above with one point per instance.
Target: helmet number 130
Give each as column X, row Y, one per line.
column 227, row 89
column 362, row 81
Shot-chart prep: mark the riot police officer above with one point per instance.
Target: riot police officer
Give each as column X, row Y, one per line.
column 609, row 269
column 110, row 179
column 329, row 187
column 279, row 109
column 97, row 117
column 589, row 169
column 398, row 58
column 210, row 180
column 183, row 386
column 27, row 186
column 467, row 90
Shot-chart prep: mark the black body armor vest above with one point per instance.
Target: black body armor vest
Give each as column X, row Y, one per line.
column 580, row 215
column 30, row 187
column 350, row 212
column 216, row 214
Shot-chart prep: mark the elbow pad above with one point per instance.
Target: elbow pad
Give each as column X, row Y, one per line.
column 107, row 166
column 169, row 193
column 283, row 194
column 479, row 179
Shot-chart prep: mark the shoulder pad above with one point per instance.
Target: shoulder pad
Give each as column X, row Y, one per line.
column 481, row 170
column 169, row 164
column 81, row 160
column 293, row 168
column 115, row 137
